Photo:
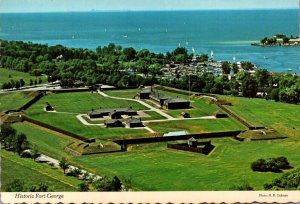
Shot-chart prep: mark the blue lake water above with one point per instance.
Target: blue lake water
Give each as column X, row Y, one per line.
column 227, row 33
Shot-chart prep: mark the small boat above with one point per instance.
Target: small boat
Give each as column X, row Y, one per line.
column 125, row 36
column 290, row 70
column 266, row 57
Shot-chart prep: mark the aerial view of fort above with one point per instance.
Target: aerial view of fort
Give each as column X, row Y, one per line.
column 132, row 96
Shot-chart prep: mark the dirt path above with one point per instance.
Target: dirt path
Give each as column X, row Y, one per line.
column 141, row 102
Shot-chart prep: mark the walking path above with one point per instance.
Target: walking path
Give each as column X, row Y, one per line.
column 141, row 102
column 56, row 164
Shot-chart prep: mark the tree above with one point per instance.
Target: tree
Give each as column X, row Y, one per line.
column 235, row 68
column 41, row 187
column 226, row 67
column 22, row 82
column 63, row 163
column 249, row 86
column 15, row 186
column 106, row 184
column 35, row 152
column 40, row 81
column 31, row 82
column 288, row 181
column 21, row 143
column 17, row 84
column 83, row 187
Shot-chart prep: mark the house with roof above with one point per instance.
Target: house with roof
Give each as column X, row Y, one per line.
column 132, row 122
column 114, row 113
column 220, row 114
column 145, row 94
column 110, row 123
column 192, row 142
column 48, row 107
column 176, row 103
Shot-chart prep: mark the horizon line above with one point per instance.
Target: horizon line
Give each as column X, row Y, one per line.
column 156, row 10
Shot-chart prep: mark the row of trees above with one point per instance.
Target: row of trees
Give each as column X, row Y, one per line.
column 127, row 67
column 18, row 185
column 283, row 87
column 20, row 83
column 13, row 141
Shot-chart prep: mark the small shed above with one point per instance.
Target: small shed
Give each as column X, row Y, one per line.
column 192, row 142
column 110, row 123
column 133, row 122
column 185, row 115
column 176, row 103
column 48, row 107
column 220, row 114
column 145, row 94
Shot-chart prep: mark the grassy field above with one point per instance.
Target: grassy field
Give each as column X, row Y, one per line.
column 82, row 102
column 15, row 167
column 154, row 167
column 281, row 116
column 126, row 93
column 49, row 143
column 14, row 100
column 16, row 75
column 68, row 105
column 198, row 126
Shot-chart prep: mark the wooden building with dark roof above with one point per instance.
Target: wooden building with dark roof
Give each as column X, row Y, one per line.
column 110, row 123
column 114, row 113
column 145, row 94
column 176, row 103
column 220, row 114
column 132, row 122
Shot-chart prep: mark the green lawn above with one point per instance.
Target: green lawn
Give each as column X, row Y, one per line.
column 280, row 116
column 16, row 76
column 154, row 167
column 15, row 167
column 48, row 143
column 200, row 107
column 198, row 126
column 70, row 123
column 14, row 100
column 68, row 105
column 126, row 93
column 81, row 102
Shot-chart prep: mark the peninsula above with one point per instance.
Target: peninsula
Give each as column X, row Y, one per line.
column 278, row 40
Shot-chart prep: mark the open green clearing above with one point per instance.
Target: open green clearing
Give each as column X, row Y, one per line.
column 155, row 167
column 281, row 116
column 126, row 93
column 198, row 126
column 15, row 167
column 68, row 105
column 48, row 143
column 81, row 102
column 16, row 76
column 14, row 100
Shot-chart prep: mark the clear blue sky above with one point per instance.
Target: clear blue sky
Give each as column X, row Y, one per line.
column 134, row 5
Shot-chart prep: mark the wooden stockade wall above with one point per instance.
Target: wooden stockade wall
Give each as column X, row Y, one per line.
column 208, row 147
column 174, row 138
column 58, row 130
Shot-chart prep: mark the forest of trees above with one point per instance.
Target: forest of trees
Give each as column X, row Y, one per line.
column 127, row 67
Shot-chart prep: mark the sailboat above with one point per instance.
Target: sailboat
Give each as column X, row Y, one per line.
column 211, row 54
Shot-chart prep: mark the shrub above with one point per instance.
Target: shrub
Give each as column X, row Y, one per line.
column 74, row 172
column 272, row 165
column 244, row 187
column 288, row 181
column 83, row 187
